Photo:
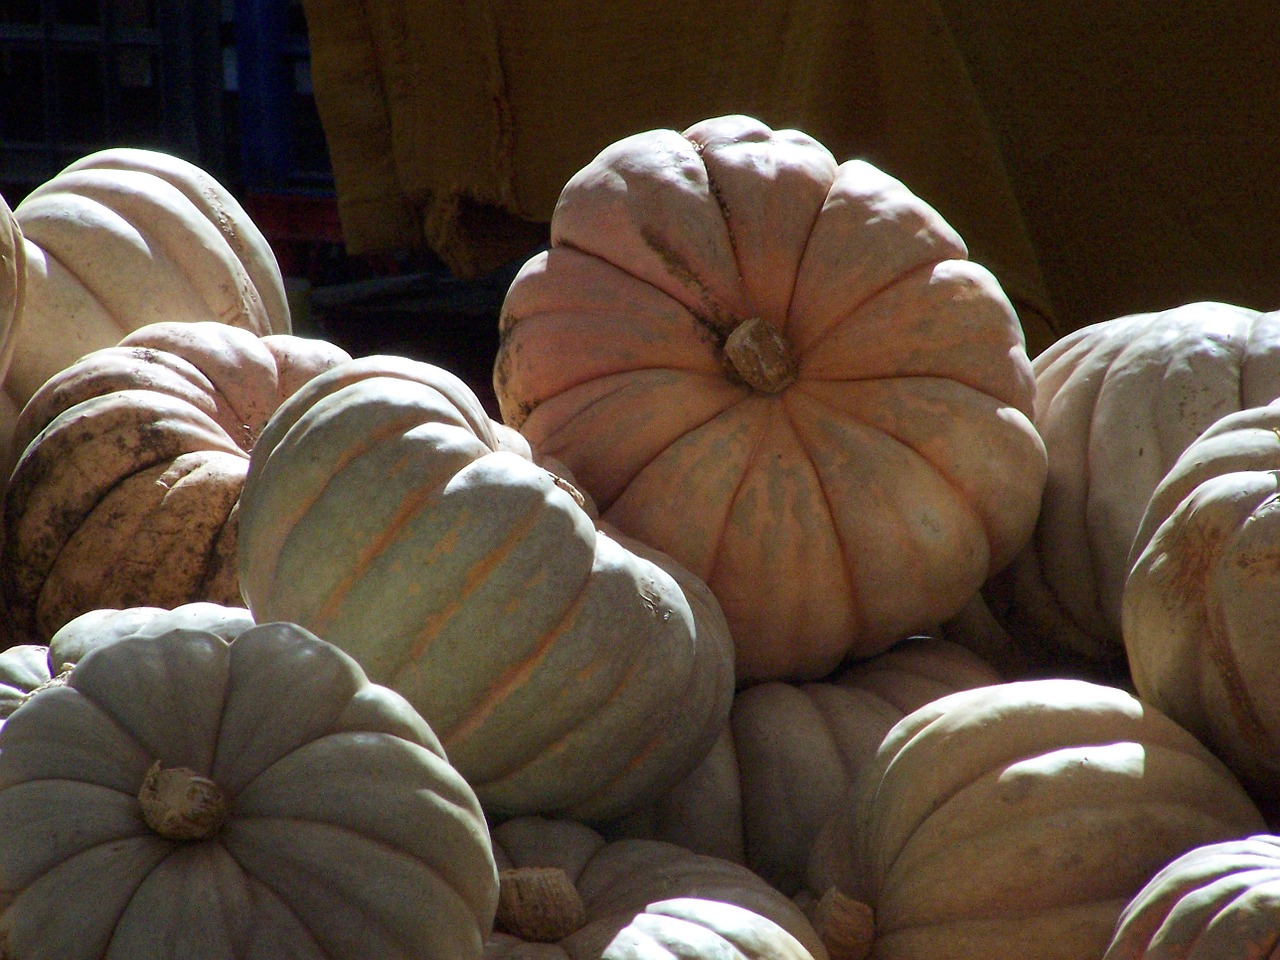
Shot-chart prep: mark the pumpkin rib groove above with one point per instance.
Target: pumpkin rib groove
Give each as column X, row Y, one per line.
column 937, row 470
column 1241, row 704
column 1245, row 368
column 237, row 423
column 141, row 465
column 952, row 931
column 141, row 833
column 643, row 752
column 302, row 505
column 138, row 466
column 513, row 676
column 283, row 903
column 706, row 322
column 660, row 449
column 714, row 190
column 1006, row 909
column 443, row 887
column 851, row 311
column 210, row 198
column 412, row 505
column 561, row 743
column 847, row 561
column 169, row 234
column 142, row 875
column 475, row 577
column 1222, row 907
column 836, row 737
column 958, row 493
column 761, row 428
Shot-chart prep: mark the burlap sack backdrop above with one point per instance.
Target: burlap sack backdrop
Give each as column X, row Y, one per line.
column 1078, row 156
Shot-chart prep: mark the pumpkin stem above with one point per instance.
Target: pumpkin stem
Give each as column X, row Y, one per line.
column 760, row 355
column 846, row 926
column 179, row 804
column 538, row 904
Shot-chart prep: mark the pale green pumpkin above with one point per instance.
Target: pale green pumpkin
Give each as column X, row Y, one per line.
column 566, row 668
column 184, row 793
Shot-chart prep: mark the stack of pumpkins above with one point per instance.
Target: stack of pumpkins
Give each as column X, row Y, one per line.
column 785, row 613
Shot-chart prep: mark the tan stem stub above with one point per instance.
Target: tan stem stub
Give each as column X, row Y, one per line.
column 538, row 904
column 761, row 356
column 180, row 804
column 846, row 926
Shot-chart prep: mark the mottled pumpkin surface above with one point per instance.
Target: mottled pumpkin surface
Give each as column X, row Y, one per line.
column 784, row 372
column 1199, row 613
column 132, row 463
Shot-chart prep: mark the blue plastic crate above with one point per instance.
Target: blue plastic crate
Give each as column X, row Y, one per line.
column 281, row 142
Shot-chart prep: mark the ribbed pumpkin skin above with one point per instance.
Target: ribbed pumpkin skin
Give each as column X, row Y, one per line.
column 1117, row 402
column 693, row 928
column 565, row 668
column 126, row 237
column 1199, row 614
column 13, row 285
column 833, row 513
column 133, row 461
column 791, row 753
column 1017, row 820
column 619, row 880
column 23, row 667
column 346, row 834
column 1218, row 901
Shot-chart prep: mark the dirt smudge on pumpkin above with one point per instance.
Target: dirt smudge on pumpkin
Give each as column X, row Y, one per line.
column 1197, row 549
column 713, row 319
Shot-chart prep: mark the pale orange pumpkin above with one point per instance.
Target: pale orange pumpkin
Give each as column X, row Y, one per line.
column 133, row 460
column 126, row 237
column 782, row 371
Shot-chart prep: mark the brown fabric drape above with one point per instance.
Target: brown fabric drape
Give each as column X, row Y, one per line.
column 455, row 125
column 1142, row 141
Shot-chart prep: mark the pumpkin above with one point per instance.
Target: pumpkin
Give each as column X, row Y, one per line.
column 1117, row 402
column 1017, row 820
column 1199, row 617
column 13, row 285
column 23, row 668
column 784, row 372
column 567, row 892
column 182, row 794
column 566, row 668
column 791, row 752
column 122, row 238
column 692, row 928
column 1214, row 901
column 133, row 461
